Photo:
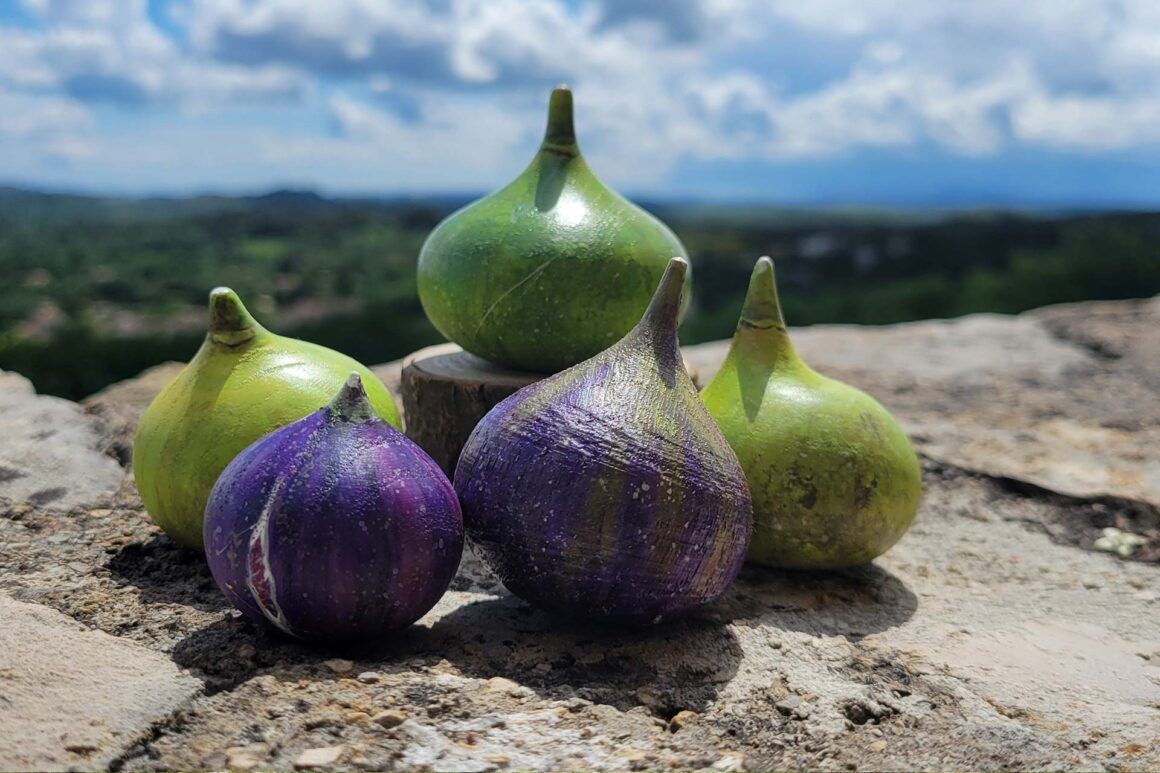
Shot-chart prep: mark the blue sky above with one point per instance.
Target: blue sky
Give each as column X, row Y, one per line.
column 904, row 102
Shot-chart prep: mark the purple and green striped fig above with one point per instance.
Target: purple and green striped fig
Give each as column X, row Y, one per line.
column 335, row 527
column 606, row 491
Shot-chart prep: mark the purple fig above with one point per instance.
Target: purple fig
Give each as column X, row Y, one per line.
column 607, row 490
column 335, row 527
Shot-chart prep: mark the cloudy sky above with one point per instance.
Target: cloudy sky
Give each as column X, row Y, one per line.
column 1037, row 102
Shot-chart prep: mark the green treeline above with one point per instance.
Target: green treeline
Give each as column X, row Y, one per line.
column 96, row 290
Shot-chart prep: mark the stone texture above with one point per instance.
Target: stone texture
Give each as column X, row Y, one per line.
column 992, row 636
column 74, row 698
column 50, row 454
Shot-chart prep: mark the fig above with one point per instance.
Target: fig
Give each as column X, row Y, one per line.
column 606, row 491
column 243, row 382
column 335, row 527
column 835, row 481
column 512, row 277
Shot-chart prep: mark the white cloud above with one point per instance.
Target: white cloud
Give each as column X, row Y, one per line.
column 26, row 115
column 977, row 77
column 950, row 74
column 110, row 51
column 1086, row 123
column 459, row 146
column 55, row 127
column 450, row 93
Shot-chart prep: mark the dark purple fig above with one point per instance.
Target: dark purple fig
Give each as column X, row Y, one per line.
column 606, row 490
column 335, row 527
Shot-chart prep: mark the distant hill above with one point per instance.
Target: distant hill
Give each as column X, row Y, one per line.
column 96, row 288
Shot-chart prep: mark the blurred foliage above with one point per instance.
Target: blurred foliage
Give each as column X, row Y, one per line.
column 342, row 273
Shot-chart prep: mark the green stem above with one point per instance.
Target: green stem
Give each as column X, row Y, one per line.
column 230, row 323
column 761, row 318
column 560, row 135
column 351, row 403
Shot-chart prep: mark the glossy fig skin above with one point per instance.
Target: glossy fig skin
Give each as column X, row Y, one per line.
column 243, row 382
column 835, row 481
column 606, row 491
column 336, row 527
column 551, row 269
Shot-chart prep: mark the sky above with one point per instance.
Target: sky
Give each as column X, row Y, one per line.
column 874, row 102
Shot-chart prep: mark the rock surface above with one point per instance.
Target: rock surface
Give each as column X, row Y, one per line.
column 74, row 698
column 994, row 635
column 50, row 453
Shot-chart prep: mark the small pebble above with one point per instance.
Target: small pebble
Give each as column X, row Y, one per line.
column 247, row 651
column 1122, row 543
column 576, row 704
column 389, row 718
column 878, row 746
column 339, row 666
column 321, row 757
column 788, row 704
column 730, row 761
column 240, row 758
column 647, row 697
column 683, row 719
column 325, row 719
column 507, row 686
column 499, row 760
column 369, row 677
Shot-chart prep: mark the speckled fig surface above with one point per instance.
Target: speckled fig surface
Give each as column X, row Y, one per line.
column 335, row 527
column 244, row 382
column 606, row 490
column 549, row 270
column 835, row 481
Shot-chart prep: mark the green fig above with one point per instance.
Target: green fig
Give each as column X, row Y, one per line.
column 834, row 479
column 551, row 269
column 242, row 384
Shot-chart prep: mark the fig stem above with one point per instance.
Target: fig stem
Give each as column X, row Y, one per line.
column 230, row 323
column 560, row 135
column 664, row 310
column 762, row 309
column 761, row 314
column 351, row 402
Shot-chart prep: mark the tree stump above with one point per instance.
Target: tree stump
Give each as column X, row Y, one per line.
column 446, row 391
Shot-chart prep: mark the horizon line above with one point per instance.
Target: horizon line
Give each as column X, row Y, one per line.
column 899, row 204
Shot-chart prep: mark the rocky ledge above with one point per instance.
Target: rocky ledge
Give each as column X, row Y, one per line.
column 1017, row 625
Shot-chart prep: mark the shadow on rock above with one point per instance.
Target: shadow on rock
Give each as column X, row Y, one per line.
column 849, row 602
column 681, row 664
column 232, row 649
column 164, row 572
